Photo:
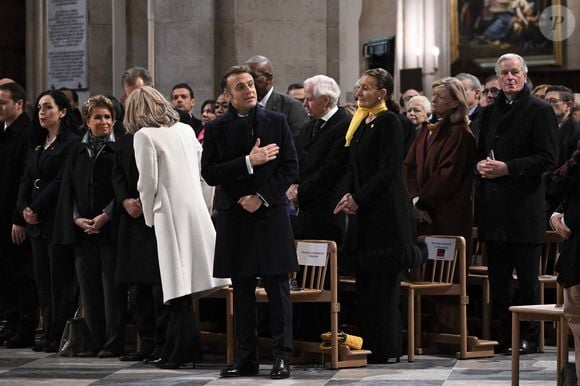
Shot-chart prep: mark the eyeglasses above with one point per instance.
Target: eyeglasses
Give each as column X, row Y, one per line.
column 492, row 90
column 553, row 101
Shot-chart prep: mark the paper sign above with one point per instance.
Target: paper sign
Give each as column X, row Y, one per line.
column 440, row 248
column 311, row 253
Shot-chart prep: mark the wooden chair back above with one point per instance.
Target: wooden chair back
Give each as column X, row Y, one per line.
column 550, row 252
column 440, row 271
column 313, row 277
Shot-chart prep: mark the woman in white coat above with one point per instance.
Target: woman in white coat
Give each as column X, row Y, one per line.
column 168, row 155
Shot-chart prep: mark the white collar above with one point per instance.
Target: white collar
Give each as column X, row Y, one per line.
column 266, row 97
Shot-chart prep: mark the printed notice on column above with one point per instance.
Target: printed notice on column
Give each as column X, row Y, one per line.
column 67, row 44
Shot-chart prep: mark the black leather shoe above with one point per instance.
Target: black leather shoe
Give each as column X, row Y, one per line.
column 106, row 354
column 152, row 361
column 18, row 341
column 41, row 345
column 52, row 347
column 281, row 369
column 239, row 371
column 136, row 356
column 171, row 365
column 526, row 347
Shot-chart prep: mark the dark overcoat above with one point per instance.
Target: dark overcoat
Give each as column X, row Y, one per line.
column 13, row 150
column 86, row 190
column 565, row 184
column 383, row 228
column 137, row 260
column 439, row 171
column 568, row 138
column 524, row 135
column 295, row 114
column 259, row 243
column 322, row 163
column 41, row 181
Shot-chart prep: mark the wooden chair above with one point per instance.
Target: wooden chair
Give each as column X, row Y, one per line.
column 477, row 275
column 311, row 280
column 435, row 277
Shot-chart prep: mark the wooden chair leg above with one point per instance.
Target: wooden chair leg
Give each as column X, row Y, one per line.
column 418, row 322
column 542, row 324
column 230, row 335
column 486, row 311
column 410, row 326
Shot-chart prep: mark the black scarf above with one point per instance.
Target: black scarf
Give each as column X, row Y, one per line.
column 96, row 143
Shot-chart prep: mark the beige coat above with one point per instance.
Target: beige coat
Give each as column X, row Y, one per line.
column 170, row 187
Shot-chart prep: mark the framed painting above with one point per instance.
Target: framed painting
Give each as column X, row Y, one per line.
column 483, row 30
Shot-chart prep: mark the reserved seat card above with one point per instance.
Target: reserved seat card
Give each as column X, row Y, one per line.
column 313, row 254
column 440, row 248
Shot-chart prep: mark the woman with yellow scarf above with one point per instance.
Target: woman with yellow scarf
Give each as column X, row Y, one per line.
column 380, row 239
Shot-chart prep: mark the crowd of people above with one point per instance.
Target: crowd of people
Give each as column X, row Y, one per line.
column 131, row 210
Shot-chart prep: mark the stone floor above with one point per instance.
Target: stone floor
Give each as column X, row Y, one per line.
column 24, row 367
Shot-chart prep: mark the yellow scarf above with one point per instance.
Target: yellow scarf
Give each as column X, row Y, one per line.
column 360, row 114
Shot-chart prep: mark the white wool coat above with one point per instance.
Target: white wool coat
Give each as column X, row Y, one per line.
column 170, row 188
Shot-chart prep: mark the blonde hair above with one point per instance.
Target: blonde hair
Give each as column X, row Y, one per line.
column 146, row 107
column 97, row 101
column 457, row 93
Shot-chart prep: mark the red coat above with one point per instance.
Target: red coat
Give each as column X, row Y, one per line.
column 439, row 171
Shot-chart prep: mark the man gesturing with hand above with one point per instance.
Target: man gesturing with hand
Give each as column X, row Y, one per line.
column 248, row 153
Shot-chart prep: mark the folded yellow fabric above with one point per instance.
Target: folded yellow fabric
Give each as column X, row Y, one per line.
column 352, row 341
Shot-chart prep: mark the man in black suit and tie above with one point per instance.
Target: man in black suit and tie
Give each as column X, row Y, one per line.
column 561, row 98
column 17, row 291
column 263, row 74
column 249, row 154
column 183, row 100
column 322, row 159
column 472, row 87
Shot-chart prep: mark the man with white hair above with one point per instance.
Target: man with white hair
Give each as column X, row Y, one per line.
column 322, row 160
column 518, row 142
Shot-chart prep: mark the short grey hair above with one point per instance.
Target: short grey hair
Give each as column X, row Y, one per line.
column 509, row 56
column 473, row 81
column 324, row 85
column 421, row 100
column 130, row 76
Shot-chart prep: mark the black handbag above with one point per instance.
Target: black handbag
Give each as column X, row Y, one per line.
column 75, row 336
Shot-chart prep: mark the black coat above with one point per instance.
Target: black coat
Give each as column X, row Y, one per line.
column 295, row 114
column 137, row 260
column 565, row 183
column 475, row 122
column 383, row 228
column 41, row 180
column 321, row 163
column 568, row 137
column 259, row 243
column 524, row 135
column 13, row 149
column 86, row 188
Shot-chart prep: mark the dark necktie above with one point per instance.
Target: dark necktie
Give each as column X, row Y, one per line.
column 317, row 126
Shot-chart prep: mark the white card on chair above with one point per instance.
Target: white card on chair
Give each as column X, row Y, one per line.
column 313, row 254
column 440, row 248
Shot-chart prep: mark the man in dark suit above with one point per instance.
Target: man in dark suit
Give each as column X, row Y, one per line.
column 322, row 159
column 249, row 154
column 263, row 74
column 518, row 142
column 472, row 87
column 561, row 98
column 183, row 100
column 17, row 291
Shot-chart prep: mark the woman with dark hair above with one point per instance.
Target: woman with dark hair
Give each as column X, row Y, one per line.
column 51, row 140
column 86, row 218
column 380, row 240
column 207, row 115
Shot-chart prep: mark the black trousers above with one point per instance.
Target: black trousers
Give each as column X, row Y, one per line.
column 278, row 290
column 104, row 300
column 146, row 308
column 18, row 304
column 56, row 285
column 380, row 324
column 503, row 257
column 181, row 340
